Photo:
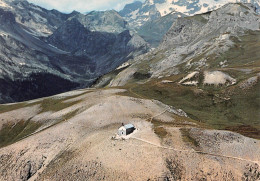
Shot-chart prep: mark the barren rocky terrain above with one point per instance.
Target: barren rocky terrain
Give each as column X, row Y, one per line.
column 167, row 145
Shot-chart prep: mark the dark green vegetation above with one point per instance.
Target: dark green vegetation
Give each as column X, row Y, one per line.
column 141, row 76
column 210, row 106
column 244, row 54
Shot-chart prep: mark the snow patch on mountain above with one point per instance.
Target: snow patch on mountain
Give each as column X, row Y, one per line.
column 4, row 5
column 152, row 9
column 218, row 78
column 193, row 7
column 189, row 77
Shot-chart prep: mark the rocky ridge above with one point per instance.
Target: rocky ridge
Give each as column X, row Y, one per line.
column 138, row 13
column 193, row 42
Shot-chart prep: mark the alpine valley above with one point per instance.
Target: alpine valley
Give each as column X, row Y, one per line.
column 66, row 50
column 185, row 74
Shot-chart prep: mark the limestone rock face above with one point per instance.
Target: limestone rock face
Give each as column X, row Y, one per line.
column 230, row 19
column 198, row 42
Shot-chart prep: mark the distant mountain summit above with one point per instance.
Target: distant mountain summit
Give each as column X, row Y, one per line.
column 195, row 43
column 153, row 31
column 129, row 8
column 103, row 21
column 138, row 13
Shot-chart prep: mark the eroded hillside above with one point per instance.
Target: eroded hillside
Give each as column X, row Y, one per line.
column 66, row 136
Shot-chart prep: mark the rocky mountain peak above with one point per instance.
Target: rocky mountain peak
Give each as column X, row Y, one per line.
column 230, row 19
column 35, row 19
column 103, row 21
column 130, row 8
column 140, row 14
column 69, row 35
column 153, row 31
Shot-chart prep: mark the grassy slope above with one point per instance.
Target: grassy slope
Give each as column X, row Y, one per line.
column 206, row 104
column 244, row 54
column 10, row 134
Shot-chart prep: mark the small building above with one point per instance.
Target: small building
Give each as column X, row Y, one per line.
column 125, row 130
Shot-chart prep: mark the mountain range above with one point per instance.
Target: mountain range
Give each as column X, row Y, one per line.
column 73, row 48
column 206, row 35
column 188, row 81
column 137, row 13
column 152, row 19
